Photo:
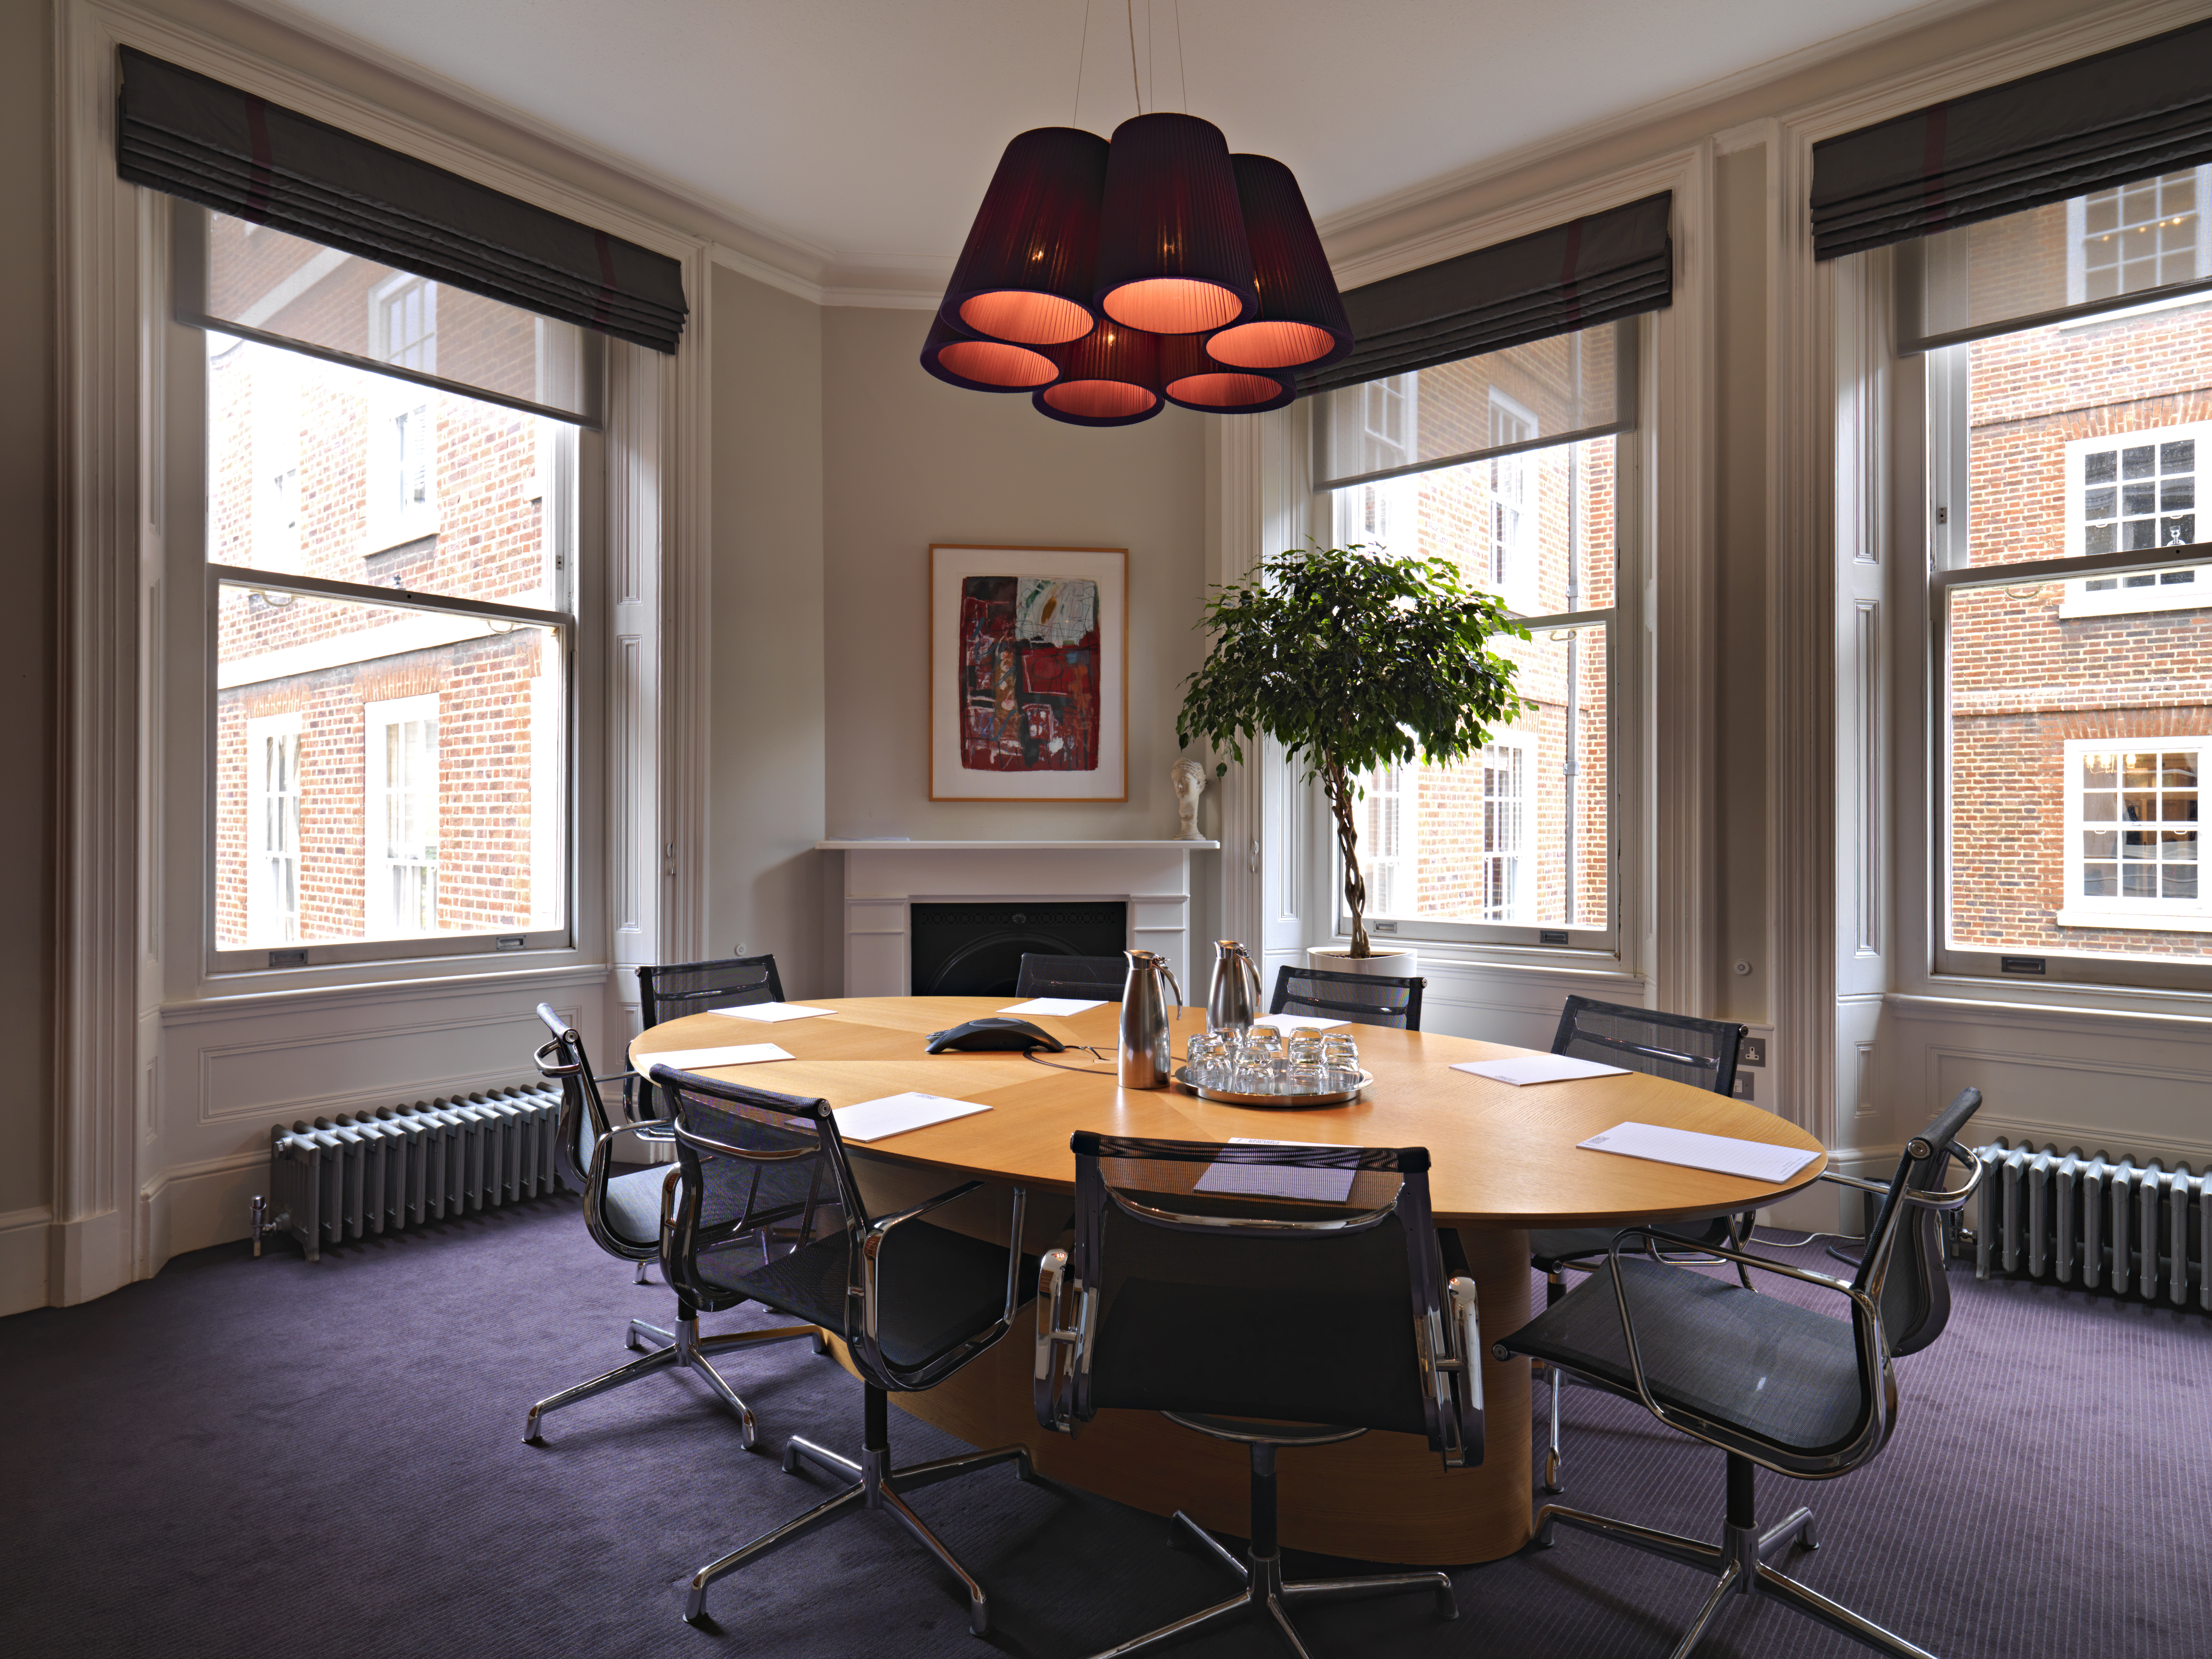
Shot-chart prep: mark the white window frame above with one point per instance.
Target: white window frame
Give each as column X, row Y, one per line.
column 2161, row 592
column 1521, row 751
column 2078, row 236
column 378, row 863
column 2077, row 910
column 395, row 289
column 404, row 422
column 269, row 920
column 1517, row 582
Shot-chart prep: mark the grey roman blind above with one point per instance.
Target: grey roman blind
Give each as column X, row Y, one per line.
column 1597, row 269
column 2125, row 114
column 197, row 138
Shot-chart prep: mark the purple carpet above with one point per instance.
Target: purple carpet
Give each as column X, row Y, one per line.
column 244, row 1458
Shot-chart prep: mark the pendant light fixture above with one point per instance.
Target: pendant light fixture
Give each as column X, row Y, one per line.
column 1025, row 273
column 960, row 359
column 1110, row 279
column 1110, row 377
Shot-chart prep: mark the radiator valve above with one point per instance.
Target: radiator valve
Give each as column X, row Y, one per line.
column 265, row 1223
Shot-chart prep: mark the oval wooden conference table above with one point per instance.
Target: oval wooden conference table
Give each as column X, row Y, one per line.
column 1504, row 1160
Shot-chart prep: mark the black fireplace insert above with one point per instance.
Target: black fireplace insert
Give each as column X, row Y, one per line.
column 976, row 950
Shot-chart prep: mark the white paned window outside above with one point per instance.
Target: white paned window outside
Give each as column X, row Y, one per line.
column 401, row 829
column 2136, row 492
column 1511, row 520
column 275, row 438
column 1387, row 831
column 404, row 319
column 2132, row 843
column 2141, row 235
column 272, row 820
column 1504, row 830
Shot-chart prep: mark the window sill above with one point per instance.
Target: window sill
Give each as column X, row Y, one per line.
column 2169, row 922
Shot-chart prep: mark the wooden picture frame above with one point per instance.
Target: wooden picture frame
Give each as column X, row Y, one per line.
column 1028, row 673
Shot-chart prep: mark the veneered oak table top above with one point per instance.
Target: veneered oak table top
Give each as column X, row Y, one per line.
column 1502, row 1157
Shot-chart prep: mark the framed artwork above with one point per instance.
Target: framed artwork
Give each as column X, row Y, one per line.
column 1028, row 658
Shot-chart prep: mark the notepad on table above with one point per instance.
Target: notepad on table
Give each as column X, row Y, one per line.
column 894, row 1114
column 1277, row 1180
column 1054, row 1005
column 1299, row 1022
column 770, row 1012
column 1537, row 1068
column 1754, row 1160
column 698, row 1060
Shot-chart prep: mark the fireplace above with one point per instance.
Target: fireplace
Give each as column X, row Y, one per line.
column 892, row 887
column 976, row 950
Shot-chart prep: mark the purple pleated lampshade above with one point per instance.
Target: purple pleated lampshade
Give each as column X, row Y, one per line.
column 1300, row 322
column 974, row 365
column 1026, row 272
column 1111, row 377
column 1172, row 253
column 1190, row 377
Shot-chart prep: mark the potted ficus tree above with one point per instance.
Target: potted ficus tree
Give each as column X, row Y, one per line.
column 1352, row 658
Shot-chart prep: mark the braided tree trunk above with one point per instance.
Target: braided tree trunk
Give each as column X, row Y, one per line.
column 1338, row 785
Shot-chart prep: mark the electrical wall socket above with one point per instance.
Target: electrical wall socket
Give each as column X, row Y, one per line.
column 1742, row 1091
column 1753, row 1052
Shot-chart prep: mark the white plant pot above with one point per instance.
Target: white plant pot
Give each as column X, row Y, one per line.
column 1396, row 961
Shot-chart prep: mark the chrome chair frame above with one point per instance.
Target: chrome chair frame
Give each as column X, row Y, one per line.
column 680, row 1348
column 1447, row 1339
column 876, row 1483
column 1739, row 1561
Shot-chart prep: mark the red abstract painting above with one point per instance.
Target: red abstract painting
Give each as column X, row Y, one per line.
column 1029, row 674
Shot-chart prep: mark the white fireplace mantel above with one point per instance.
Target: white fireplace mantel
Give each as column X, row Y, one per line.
column 883, row 877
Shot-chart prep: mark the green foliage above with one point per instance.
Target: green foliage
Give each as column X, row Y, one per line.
column 1352, row 658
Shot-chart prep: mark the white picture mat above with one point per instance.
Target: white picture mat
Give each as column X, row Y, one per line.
column 1107, row 566
column 699, row 1060
column 1054, row 1005
column 770, row 1012
column 894, row 1114
column 1522, row 1069
column 1754, row 1160
column 1271, row 1181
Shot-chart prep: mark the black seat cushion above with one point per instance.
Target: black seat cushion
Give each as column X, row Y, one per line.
column 1550, row 1247
column 1286, row 1352
column 1711, row 1347
column 934, row 1290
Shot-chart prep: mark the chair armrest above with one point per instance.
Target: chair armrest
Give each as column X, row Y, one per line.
column 1858, row 1183
column 1869, row 1351
column 872, row 1245
column 884, row 1226
column 1052, row 1412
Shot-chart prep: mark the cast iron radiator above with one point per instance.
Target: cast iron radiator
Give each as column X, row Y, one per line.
column 2099, row 1223
column 344, row 1178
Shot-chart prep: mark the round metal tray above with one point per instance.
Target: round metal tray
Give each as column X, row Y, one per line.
column 1272, row 1103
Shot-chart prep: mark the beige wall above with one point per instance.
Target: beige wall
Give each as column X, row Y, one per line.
column 26, row 552
column 907, row 461
column 766, row 733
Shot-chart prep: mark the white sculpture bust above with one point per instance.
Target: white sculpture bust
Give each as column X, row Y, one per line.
column 1189, row 780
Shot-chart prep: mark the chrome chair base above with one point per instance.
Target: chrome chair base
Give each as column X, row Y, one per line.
column 876, row 1486
column 1267, row 1594
column 1740, row 1562
column 681, row 1349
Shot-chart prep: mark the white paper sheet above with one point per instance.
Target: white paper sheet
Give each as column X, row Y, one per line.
column 894, row 1114
column 699, row 1060
column 1272, row 1180
column 1537, row 1068
column 1054, row 1005
column 1754, row 1160
column 770, row 1013
column 1299, row 1022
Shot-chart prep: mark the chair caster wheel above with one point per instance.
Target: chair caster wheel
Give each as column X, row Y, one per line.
column 1551, row 1482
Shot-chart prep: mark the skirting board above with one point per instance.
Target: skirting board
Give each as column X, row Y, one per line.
column 25, row 1236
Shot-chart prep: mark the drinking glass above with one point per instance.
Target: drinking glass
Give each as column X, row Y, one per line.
column 1340, row 1054
column 1205, row 1059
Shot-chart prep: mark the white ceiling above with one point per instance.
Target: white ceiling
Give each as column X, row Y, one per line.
column 864, row 131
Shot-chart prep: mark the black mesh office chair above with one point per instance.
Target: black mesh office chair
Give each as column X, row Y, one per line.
column 913, row 1302
column 1088, row 978
column 1701, row 1052
column 1362, row 998
column 670, row 990
column 1264, row 1321
column 1772, row 1384
column 622, row 1214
